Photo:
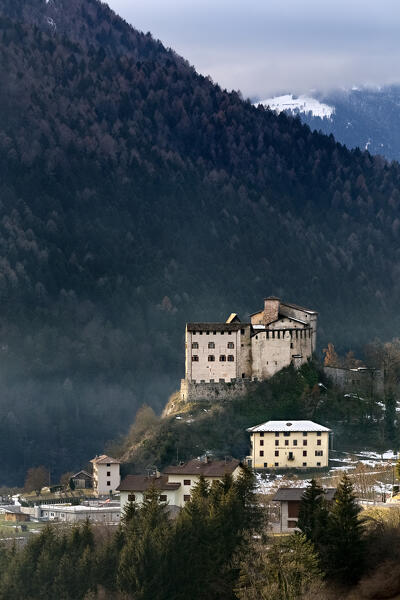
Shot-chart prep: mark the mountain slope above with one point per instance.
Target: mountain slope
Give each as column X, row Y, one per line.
column 368, row 118
column 136, row 195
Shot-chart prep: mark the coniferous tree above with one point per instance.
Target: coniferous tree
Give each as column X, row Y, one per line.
column 313, row 514
column 144, row 564
column 346, row 543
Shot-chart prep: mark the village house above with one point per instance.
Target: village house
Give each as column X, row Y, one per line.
column 82, row 480
column 74, row 514
column 13, row 513
column 176, row 483
column 237, row 352
column 106, row 475
column 289, row 445
column 289, row 500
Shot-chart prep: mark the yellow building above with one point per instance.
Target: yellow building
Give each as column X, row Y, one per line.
column 289, row 445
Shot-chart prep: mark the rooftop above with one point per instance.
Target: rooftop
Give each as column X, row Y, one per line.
column 141, row 483
column 104, row 459
column 296, row 494
column 288, row 426
column 215, row 326
column 80, row 508
column 208, row 468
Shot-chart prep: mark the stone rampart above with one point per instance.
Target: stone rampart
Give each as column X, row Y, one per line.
column 214, row 392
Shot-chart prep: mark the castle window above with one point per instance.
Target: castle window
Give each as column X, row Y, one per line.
column 267, row 335
column 243, row 375
column 279, row 335
column 195, row 358
column 273, row 335
column 214, row 333
column 207, row 333
column 276, row 363
column 229, row 332
column 231, row 345
column 297, row 334
column 242, row 331
column 108, row 482
column 222, row 333
column 195, row 345
column 231, row 358
column 265, row 465
column 291, row 344
column 256, row 337
column 211, row 345
column 200, row 333
column 222, row 358
column 211, row 358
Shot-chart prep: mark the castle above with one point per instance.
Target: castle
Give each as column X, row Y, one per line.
column 239, row 353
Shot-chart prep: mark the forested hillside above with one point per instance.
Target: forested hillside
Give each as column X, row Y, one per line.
column 136, row 194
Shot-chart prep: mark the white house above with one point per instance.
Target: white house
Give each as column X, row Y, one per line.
column 176, row 483
column 74, row 514
column 289, row 445
column 106, row 475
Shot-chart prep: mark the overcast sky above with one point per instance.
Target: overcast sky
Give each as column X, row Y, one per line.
column 264, row 47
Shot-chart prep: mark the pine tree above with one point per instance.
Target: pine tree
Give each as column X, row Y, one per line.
column 313, row 514
column 145, row 559
column 346, row 543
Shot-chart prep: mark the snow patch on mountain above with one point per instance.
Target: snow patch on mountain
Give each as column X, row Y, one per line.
column 299, row 104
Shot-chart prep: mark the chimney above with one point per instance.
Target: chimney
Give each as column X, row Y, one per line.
column 271, row 309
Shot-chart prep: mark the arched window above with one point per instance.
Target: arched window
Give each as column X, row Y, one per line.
column 195, row 345
column 231, row 358
column 231, row 345
column 211, row 345
column 211, row 358
column 222, row 358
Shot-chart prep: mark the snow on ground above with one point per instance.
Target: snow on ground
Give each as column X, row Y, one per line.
column 303, row 103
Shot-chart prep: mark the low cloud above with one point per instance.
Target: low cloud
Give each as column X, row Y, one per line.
column 264, row 48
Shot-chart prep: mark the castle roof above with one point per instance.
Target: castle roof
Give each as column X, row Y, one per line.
column 215, row 326
column 295, row 426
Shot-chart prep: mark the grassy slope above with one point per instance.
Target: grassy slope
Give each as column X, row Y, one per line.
column 191, row 429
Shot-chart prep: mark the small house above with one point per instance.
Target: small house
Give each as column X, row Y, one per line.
column 290, row 499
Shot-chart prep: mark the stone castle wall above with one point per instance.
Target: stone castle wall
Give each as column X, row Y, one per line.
column 214, row 392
